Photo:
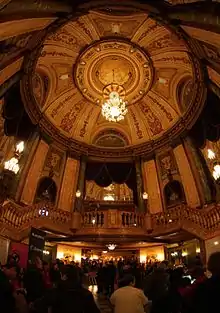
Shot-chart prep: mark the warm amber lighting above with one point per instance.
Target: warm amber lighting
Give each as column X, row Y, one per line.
column 143, row 258
column 20, row 147
column 198, row 250
column 160, row 256
column 210, row 154
column 109, row 198
column 12, row 165
column 216, row 243
column 145, row 196
column 184, row 253
column 60, row 255
column 78, row 194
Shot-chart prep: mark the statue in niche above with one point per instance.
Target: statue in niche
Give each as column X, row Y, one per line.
column 173, row 193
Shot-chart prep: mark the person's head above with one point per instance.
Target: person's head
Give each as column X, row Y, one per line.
column 127, row 280
column 38, row 263
column 197, row 272
column 214, row 264
column 185, row 282
column 46, row 266
column 70, row 274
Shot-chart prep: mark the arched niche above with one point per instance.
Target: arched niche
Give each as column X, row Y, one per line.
column 173, row 193
column 40, row 83
column 46, row 190
column 110, row 138
column 185, row 93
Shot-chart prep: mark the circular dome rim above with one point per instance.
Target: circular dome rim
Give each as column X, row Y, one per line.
column 123, row 40
column 78, row 148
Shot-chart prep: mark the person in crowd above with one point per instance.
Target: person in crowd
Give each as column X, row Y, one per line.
column 174, row 299
column 7, row 299
column 46, row 276
column 128, row 298
column 55, row 273
column 110, row 278
column 34, row 281
column 206, row 295
column 156, row 288
column 12, row 272
column 69, row 296
column 100, row 278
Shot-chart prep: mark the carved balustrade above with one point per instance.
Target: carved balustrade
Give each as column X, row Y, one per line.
column 204, row 220
column 200, row 222
column 18, row 217
column 113, row 219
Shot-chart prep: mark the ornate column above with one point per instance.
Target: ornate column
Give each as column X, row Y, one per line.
column 200, row 170
column 69, row 183
column 151, row 186
column 191, row 192
column 203, row 254
column 141, row 205
column 81, row 185
column 25, row 164
column 34, row 173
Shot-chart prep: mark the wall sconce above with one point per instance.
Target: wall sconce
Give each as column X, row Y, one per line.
column 184, row 253
column 19, row 148
column 78, row 194
column 145, row 195
column 210, row 154
column 197, row 250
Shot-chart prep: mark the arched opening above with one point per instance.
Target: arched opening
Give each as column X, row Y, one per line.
column 174, row 193
column 46, row 190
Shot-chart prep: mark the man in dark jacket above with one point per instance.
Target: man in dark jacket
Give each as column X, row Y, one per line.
column 68, row 297
column 206, row 296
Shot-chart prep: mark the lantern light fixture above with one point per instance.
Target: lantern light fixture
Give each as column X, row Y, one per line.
column 78, row 194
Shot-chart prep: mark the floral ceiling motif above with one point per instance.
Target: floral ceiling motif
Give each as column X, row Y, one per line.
column 135, row 51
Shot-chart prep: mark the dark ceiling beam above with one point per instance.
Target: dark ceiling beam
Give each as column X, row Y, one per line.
column 4, row 88
column 204, row 15
column 20, row 9
column 214, row 88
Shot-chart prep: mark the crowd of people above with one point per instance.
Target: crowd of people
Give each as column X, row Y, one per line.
column 128, row 286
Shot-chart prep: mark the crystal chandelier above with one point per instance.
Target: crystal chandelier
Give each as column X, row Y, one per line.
column 12, row 165
column 111, row 246
column 114, row 107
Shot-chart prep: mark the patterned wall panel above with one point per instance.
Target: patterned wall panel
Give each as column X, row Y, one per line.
column 69, row 185
column 151, row 186
column 34, row 173
column 189, row 185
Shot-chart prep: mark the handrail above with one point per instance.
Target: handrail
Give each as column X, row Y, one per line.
column 17, row 216
column 104, row 219
column 206, row 219
column 202, row 222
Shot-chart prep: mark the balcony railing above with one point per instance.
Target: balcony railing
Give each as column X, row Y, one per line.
column 18, row 217
column 203, row 223
column 113, row 219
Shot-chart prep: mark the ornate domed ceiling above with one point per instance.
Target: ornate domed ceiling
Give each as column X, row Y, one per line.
column 163, row 82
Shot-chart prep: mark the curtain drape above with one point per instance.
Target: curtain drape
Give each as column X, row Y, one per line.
column 104, row 174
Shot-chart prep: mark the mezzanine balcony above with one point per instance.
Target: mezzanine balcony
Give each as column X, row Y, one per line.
column 15, row 221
